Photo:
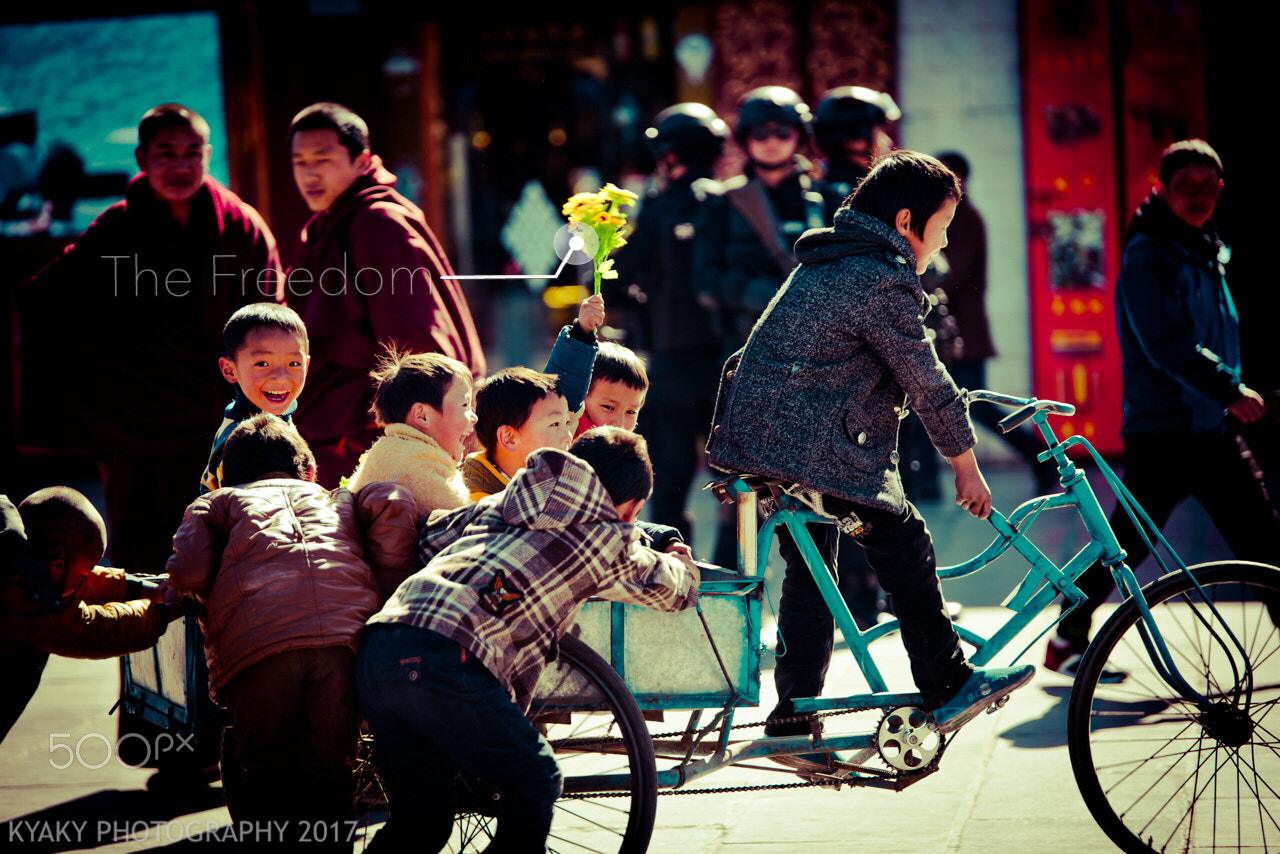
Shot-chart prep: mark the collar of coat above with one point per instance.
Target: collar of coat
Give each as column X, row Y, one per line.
column 854, row 233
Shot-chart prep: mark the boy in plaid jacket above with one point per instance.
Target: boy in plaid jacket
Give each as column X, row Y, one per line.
column 450, row 663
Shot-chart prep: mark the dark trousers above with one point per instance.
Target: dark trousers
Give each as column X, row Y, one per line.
column 297, row 723
column 900, row 550
column 20, row 673
column 1162, row 471
column 433, row 711
column 682, row 396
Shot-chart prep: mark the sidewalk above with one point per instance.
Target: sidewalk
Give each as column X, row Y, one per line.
column 1004, row 784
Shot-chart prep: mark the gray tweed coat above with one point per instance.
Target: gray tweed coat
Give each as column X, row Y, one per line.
column 829, row 367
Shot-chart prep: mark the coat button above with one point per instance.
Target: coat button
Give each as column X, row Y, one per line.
column 893, row 457
column 862, row 438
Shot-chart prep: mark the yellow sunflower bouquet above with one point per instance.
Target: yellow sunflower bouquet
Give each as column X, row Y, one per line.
column 604, row 212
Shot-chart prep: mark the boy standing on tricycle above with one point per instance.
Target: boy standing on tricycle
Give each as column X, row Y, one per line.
column 815, row 400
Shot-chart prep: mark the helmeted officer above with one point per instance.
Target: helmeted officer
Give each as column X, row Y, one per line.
column 656, row 266
column 850, row 129
column 745, row 250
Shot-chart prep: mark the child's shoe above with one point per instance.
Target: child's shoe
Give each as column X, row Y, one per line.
column 1064, row 656
column 983, row 688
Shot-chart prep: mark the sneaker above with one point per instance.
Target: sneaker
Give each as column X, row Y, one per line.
column 984, row 688
column 1064, row 656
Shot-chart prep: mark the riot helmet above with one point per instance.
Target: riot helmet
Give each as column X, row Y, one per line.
column 687, row 125
column 851, row 113
column 776, row 104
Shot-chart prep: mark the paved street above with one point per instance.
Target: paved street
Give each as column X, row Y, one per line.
column 1004, row 784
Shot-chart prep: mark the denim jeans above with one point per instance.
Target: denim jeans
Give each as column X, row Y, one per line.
column 900, row 550
column 434, row 711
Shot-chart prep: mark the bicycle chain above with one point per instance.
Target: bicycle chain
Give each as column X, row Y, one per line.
column 722, row 790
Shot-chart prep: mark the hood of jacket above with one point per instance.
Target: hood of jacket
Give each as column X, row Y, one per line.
column 854, row 233
column 555, row 490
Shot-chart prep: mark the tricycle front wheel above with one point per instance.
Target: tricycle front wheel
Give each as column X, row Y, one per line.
column 1158, row 772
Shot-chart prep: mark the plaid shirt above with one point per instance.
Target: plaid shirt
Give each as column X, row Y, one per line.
column 505, row 577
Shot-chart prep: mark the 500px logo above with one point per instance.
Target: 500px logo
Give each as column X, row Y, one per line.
column 87, row 754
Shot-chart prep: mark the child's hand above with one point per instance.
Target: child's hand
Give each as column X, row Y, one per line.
column 591, row 313
column 169, row 597
column 972, row 492
column 680, row 550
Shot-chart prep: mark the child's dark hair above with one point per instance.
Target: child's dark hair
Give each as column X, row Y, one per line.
column 262, row 445
column 326, row 115
column 620, row 459
column 164, row 116
column 1186, row 153
column 905, row 179
column 403, row 379
column 615, row 363
column 256, row 316
column 62, row 524
column 507, row 398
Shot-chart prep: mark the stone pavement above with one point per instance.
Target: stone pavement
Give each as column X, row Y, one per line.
column 1003, row 785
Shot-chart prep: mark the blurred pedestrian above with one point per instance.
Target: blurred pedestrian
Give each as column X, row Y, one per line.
column 1183, row 397
column 657, row 264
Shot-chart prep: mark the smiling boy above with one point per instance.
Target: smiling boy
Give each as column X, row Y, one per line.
column 266, row 354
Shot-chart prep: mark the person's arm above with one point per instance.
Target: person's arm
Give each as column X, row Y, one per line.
column 96, row 631
column 662, row 537
column 389, row 519
column 1147, row 299
column 197, row 550
column 711, row 276
column 442, row 528
column 893, row 326
column 665, row 581
column 574, row 352
column 972, row 492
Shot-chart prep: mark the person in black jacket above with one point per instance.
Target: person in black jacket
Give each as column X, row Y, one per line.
column 684, row 347
column 1183, row 395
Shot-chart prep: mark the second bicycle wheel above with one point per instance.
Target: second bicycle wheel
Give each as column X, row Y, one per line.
column 605, row 754
column 1158, row 772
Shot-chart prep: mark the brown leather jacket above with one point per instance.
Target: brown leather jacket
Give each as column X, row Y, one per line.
column 283, row 564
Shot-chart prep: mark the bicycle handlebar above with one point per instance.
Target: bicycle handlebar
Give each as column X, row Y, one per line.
column 1029, row 406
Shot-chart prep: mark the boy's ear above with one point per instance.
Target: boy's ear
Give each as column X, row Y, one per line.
column 422, row 417
column 902, row 222
column 58, row 564
column 630, row 510
column 228, row 369
column 363, row 159
column 507, row 437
